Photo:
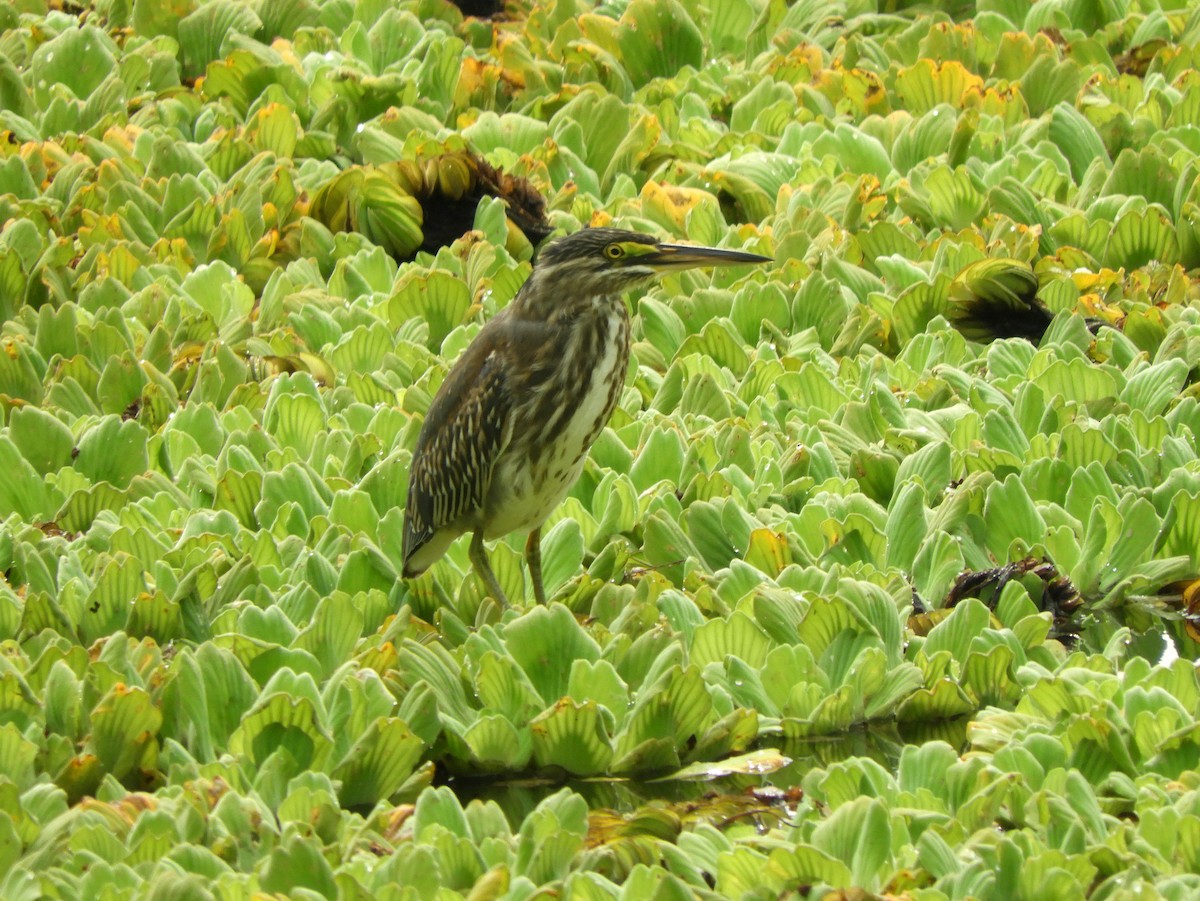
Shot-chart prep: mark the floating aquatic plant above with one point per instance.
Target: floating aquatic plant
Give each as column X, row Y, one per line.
column 840, row 497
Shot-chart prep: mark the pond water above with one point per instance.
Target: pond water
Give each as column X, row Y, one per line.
column 882, row 743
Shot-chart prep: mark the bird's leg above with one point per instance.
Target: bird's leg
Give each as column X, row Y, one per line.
column 533, row 556
column 479, row 558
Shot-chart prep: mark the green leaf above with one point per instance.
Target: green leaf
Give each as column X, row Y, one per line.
column 378, row 763
column 363, row 349
column 545, row 642
column 1077, row 138
column 760, row 762
column 906, row 525
column 660, row 458
column 124, row 735
column 1142, row 173
column 731, row 734
column 436, row 809
column 113, row 451
column 20, row 371
column 331, row 634
column 572, row 736
column 203, row 33
column 106, row 607
column 23, row 491
column 274, row 128
column 884, row 695
column 957, row 631
column 550, row 837
column 11, row 844
column 281, row 722
column 1181, row 527
column 239, row 493
column 708, row 530
column 293, row 418
column 657, row 39
column 17, row 754
column 662, row 326
column 1138, row 237
column 1141, row 528
column 283, row 18
column 1049, row 81
column 1152, row 388
column 562, row 555
column 806, row 865
column 719, row 340
column 298, row 864
column 925, row 767
column 738, row 636
column 517, row 133
column 825, row 619
column 503, row 686
column 436, row 298
column 663, row 721
column 667, row 547
column 152, row 18
column 1011, row 518
column 989, row 676
column 77, row 58
column 80, row 510
column 860, row 834
column 497, row 744
column 434, row 667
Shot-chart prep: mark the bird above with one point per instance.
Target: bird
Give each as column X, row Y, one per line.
column 508, row 431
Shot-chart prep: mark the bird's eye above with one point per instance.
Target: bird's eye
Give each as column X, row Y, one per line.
column 614, row 251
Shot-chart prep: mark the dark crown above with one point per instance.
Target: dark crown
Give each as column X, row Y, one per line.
column 588, row 242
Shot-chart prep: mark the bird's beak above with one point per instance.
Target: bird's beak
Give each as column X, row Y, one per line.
column 666, row 257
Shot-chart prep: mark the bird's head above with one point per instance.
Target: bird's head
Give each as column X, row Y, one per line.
column 608, row 261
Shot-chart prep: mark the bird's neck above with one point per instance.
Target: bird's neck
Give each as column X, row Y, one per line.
column 573, row 377
column 563, row 304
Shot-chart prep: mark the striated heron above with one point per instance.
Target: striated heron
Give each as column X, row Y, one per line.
column 506, row 436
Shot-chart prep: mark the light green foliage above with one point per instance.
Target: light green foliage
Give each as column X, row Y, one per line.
column 219, row 341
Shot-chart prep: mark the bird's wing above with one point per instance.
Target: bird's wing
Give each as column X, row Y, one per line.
column 467, row 427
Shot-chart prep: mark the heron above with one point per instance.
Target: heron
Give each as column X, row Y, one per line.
column 508, row 431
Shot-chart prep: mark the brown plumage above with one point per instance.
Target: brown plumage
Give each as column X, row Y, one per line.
column 508, row 432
